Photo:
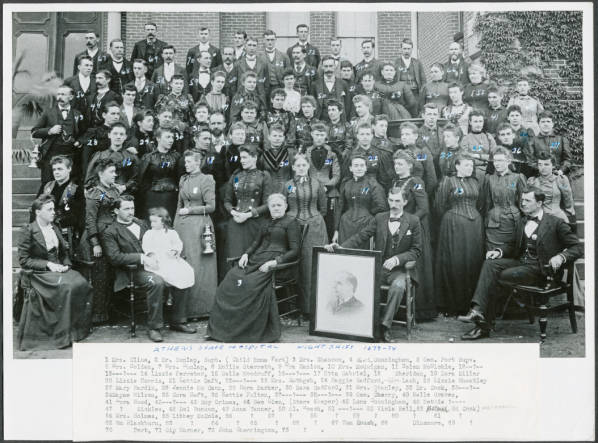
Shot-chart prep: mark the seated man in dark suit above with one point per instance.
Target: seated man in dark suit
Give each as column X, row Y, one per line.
column 398, row 235
column 122, row 243
column 541, row 245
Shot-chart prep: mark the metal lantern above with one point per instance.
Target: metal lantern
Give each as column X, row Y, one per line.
column 209, row 240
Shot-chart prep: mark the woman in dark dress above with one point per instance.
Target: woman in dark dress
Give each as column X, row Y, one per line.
column 245, row 309
column 245, row 200
column 500, row 201
column 306, row 197
column 99, row 201
column 361, row 198
column 159, row 175
column 417, row 204
column 57, row 308
column 460, row 251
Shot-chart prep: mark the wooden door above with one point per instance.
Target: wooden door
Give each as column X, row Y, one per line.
column 72, row 27
column 352, row 28
column 34, row 46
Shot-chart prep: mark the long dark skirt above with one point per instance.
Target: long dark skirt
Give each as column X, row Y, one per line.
column 425, row 300
column 239, row 236
column 316, row 236
column 351, row 223
column 245, row 310
column 459, row 258
column 102, row 280
column 56, row 311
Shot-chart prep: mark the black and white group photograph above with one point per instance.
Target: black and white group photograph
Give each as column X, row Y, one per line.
column 295, row 175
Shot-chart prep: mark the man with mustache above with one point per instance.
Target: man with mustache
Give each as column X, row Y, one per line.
column 228, row 63
column 329, row 87
column 455, row 69
column 369, row 62
column 102, row 96
column 163, row 74
column 92, row 50
column 61, row 129
column 149, row 49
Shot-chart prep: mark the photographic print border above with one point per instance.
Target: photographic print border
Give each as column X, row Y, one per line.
column 377, row 256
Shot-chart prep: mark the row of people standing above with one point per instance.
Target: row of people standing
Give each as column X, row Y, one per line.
column 163, row 189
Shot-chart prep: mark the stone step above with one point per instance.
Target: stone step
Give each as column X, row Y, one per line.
column 25, row 185
column 22, row 201
column 20, row 217
column 24, row 132
column 22, row 143
column 20, row 170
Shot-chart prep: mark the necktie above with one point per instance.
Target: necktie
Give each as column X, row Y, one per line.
column 65, row 112
column 393, row 219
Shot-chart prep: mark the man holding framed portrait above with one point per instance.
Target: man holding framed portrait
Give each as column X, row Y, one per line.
column 397, row 235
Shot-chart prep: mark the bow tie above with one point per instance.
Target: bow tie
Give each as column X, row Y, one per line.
column 65, row 109
column 535, row 219
column 207, row 71
column 393, row 219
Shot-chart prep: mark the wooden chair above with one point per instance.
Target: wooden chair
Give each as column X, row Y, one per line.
column 408, row 302
column 536, row 299
column 21, row 293
column 285, row 285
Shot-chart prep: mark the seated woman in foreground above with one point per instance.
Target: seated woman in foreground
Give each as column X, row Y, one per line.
column 245, row 309
column 57, row 308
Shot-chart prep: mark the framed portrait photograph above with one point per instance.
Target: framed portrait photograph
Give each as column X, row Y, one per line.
column 345, row 294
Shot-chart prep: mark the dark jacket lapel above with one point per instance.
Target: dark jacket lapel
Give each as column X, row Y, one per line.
column 38, row 236
column 543, row 227
column 403, row 228
column 128, row 236
column 383, row 234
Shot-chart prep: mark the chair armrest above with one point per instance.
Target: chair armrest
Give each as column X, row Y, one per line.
column 27, row 272
column 410, row 265
column 131, row 267
column 284, row 265
column 232, row 259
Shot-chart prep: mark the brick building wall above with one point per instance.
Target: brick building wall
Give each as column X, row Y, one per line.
column 433, row 46
column 322, row 29
column 177, row 28
column 181, row 28
column 393, row 26
column 254, row 23
column 105, row 43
